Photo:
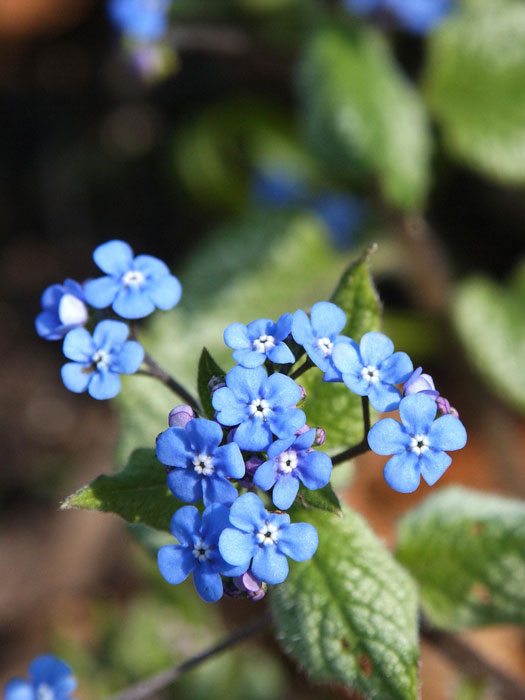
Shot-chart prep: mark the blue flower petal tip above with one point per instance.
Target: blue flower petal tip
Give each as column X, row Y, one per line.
column 49, row 678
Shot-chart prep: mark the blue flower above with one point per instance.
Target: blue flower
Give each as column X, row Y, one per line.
column 133, row 286
column 98, row 360
column 373, row 368
column 142, row 20
column 49, row 679
column 267, row 538
column 419, row 383
column 289, row 462
column 259, row 405
column 417, row 16
column 198, row 551
column 342, row 214
column 63, row 309
column 418, row 443
column 278, row 187
column 259, row 340
column 201, row 466
column 319, row 335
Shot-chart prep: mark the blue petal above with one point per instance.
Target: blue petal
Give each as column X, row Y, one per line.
column 230, row 411
column 174, row 449
column 185, row 523
column 304, row 440
column 346, row 358
column 186, row 485
column 281, row 354
column 247, row 513
column 236, row 547
column 78, row 345
column 205, row 435
column 447, row 433
column 108, row 334
column 151, row 267
column 217, row 489
column 236, row 337
column 433, row 465
column 175, row 562
column 207, row 585
column 51, row 296
column 131, row 302
column 262, row 326
column 249, row 358
column 266, row 475
column 317, row 356
column 387, row 437
column 401, row 472
column 57, row 674
column 73, row 287
column 298, row 541
column 283, row 327
column 101, row 292
column 129, row 359
column 165, row 293
column 247, row 384
column 269, row 565
column 327, row 319
column 396, row 369
column 417, row 413
column 285, row 491
column 104, row 385
column 48, row 325
column 383, row 397
column 286, row 422
column 114, row 257
column 253, row 435
column 281, row 390
column 228, row 460
column 18, row 689
column 374, row 348
column 314, row 470
column 215, row 519
column 75, row 376
column 301, row 328
column 282, row 445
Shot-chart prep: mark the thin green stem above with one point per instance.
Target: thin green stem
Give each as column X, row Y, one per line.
column 155, row 370
column 361, row 447
column 307, row 364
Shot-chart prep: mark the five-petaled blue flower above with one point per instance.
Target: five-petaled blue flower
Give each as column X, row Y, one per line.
column 133, row 286
column 201, row 466
column 63, row 309
column 373, row 368
column 320, row 335
column 98, row 360
column 261, row 406
column 418, row 443
column 198, row 551
column 267, row 538
column 417, row 16
column 289, row 462
column 142, row 20
column 49, row 679
column 259, row 340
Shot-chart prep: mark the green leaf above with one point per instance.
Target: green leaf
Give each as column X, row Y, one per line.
column 333, row 406
column 138, row 493
column 322, row 499
column 467, row 551
column 490, row 323
column 362, row 116
column 474, row 87
column 208, row 369
column 349, row 615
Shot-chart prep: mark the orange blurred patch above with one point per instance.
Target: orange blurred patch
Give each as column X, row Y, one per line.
column 26, row 19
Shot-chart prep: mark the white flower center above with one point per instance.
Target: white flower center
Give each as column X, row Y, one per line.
column 101, row 359
column 44, row 692
column 201, row 551
column 325, row 346
column 370, row 373
column 263, row 343
column 287, row 461
column 259, row 408
column 268, row 534
column 133, row 278
column 203, row 464
column 419, row 444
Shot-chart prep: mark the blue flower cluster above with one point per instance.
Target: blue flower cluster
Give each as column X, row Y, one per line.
column 416, row 16
column 133, row 287
column 140, row 20
column 49, row 679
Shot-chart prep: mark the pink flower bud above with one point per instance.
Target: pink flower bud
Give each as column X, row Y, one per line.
column 320, row 436
column 180, row 416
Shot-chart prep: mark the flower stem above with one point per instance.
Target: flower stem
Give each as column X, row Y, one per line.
column 147, row 688
column 155, row 370
column 307, row 364
column 361, row 447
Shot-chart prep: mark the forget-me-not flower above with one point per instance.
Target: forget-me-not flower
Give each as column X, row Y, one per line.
column 201, row 465
column 342, row 214
column 319, row 334
column 63, row 309
column 49, row 679
column 266, row 538
column 260, row 340
column 132, row 286
column 99, row 360
column 418, row 443
column 259, row 405
column 290, row 462
column 141, row 20
column 373, row 368
column 417, row 16
column 198, row 551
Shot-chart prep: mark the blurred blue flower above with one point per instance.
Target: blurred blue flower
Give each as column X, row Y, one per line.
column 290, row 462
column 133, row 286
column 63, row 309
column 141, row 20
column 201, row 465
column 49, row 679
column 198, row 551
column 417, row 16
column 261, row 406
column 267, row 538
column 342, row 215
column 373, row 368
column 418, row 443
column 98, row 360
column 259, row 340
column 278, row 187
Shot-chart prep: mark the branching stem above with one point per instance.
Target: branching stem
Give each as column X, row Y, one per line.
column 361, row 447
column 155, row 370
column 307, row 364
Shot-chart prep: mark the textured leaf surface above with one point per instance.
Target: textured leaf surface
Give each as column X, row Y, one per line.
column 362, row 116
column 208, row 369
column 349, row 615
column 322, row 499
column 467, row 550
column 138, row 493
column 474, row 87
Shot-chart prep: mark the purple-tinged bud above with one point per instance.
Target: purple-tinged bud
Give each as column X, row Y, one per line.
column 302, row 430
column 419, row 383
column 230, row 436
column 445, row 408
column 250, row 586
column 303, row 393
column 252, row 464
column 320, row 436
column 180, row 416
column 216, row 383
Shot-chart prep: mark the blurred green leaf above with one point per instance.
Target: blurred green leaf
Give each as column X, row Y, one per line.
column 138, row 493
column 349, row 615
column 208, row 369
column 490, row 322
column 322, row 499
column 467, row 551
column 474, row 87
column 362, row 116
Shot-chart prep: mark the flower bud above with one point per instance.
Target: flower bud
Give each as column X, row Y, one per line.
column 180, row 416
column 320, row 436
column 216, row 383
column 249, row 586
column 302, row 430
column 252, row 464
column 420, row 383
column 445, row 408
